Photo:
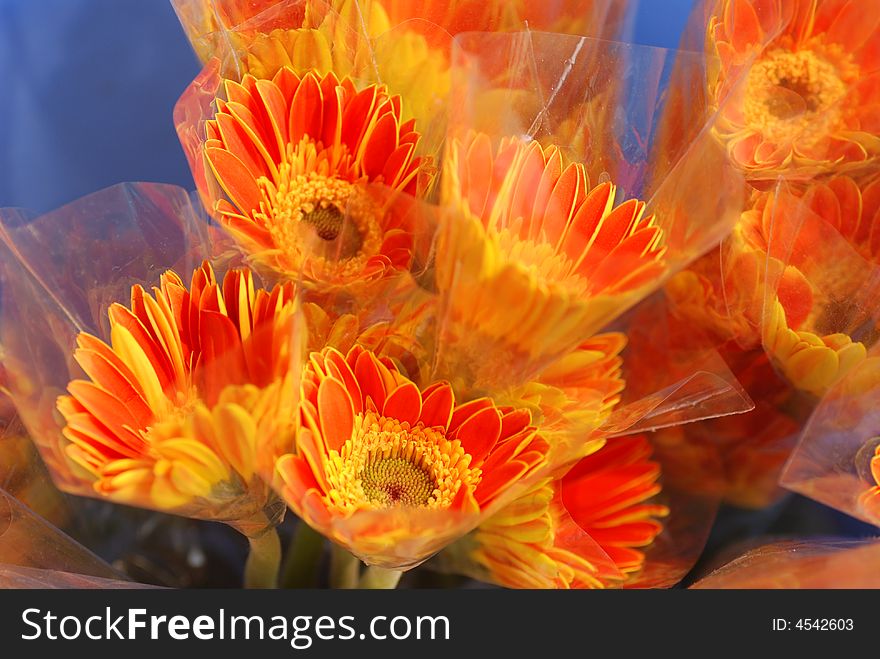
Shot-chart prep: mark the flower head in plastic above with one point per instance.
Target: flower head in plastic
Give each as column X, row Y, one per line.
column 173, row 408
column 392, row 471
column 295, row 157
column 805, row 81
column 531, row 257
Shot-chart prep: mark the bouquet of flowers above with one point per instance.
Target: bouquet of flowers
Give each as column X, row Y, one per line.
column 464, row 288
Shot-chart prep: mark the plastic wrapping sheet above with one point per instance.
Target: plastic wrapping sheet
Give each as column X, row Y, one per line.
column 673, row 373
column 16, row 577
column 23, row 475
column 821, row 563
column 836, row 460
column 29, row 541
column 588, row 528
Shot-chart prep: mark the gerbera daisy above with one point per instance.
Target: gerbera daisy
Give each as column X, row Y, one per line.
column 824, row 232
column 530, row 259
column 394, row 472
column 175, row 405
column 798, row 84
column 295, row 155
column 587, row 530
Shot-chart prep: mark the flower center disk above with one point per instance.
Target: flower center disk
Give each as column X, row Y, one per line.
column 397, row 481
column 388, row 463
column 794, row 94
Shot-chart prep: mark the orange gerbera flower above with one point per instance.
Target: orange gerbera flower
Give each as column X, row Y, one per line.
column 294, row 156
column 531, row 260
column 810, row 83
column 394, row 472
column 826, row 233
column 586, row 530
column 175, row 405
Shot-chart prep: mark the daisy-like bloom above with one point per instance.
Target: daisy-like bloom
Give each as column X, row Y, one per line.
column 175, row 406
column 530, row 259
column 295, row 155
column 394, row 472
column 585, row 530
column 829, row 233
column 798, row 84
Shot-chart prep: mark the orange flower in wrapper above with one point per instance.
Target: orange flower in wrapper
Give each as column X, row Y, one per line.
column 157, row 423
column 798, row 84
column 533, row 258
column 393, row 471
column 293, row 156
column 585, row 530
column 823, row 234
column 185, row 390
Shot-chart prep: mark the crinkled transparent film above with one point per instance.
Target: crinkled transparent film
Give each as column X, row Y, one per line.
column 836, row 461
column 14, row 576
column 794, row 85
column 603, row 524
column 676, row 549
column 533, row 232
column 498, row 553
column 673, row 373
column 582, row 17
column 23, row 474
column 108, row 354
column 27, row 540
column 825, row 563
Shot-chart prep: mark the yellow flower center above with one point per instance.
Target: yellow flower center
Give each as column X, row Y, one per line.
column 390, row 481
column 795, row 95
column 542, row 261
column 387, row 463
column 322, row 223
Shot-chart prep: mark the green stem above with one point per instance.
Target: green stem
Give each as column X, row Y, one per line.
column 303, row 558
column 344, row 568
column 380, row 578
column 263, row 561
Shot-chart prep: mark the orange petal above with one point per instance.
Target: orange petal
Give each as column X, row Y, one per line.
column 335, row 413
column 404, row 404
column 437, row 406
column 479, row 434
column 235, row 179
column 379, row 145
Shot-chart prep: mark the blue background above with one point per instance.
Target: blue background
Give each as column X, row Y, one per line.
column 88, row 88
